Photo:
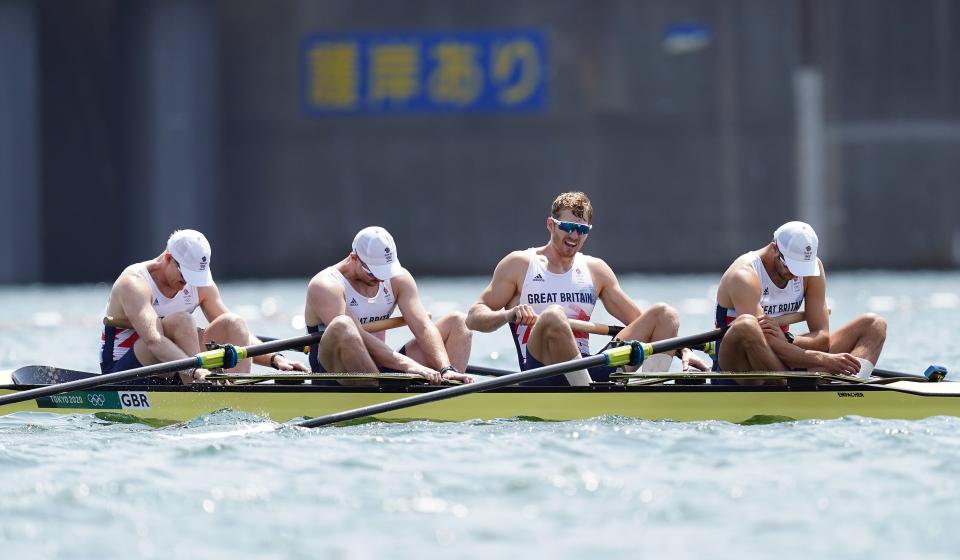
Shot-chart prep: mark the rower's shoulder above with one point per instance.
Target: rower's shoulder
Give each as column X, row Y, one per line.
column 402, row 281
column 131, row 279
column 743, row 263
column 597, row 265
column 741, row 271
column 325, row 280
column 519, row 259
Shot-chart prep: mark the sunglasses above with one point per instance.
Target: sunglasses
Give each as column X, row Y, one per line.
column 366, row 268
column 570, row 227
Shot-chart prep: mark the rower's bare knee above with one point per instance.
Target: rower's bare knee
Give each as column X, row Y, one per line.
column 666, row 317
column 177, row 325
column 744, row 329
column 231, row 328
column 454, row 326
column 341, row 330
column 873, row 325
column 744, row 338
column 553, row 323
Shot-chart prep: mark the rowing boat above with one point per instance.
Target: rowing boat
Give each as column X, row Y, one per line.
column 820, row 397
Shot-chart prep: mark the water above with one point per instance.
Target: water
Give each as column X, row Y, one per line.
column 229, row 484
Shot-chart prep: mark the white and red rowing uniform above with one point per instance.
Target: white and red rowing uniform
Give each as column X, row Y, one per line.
column 774, row 300
column 364, row 309
column 122, row 340
column 572, row 290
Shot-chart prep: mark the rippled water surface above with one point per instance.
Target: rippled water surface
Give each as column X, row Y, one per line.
column 230, row 485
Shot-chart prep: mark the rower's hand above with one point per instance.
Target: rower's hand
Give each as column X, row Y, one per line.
column 690, row 360
column 844, row 364
column 770, row 328
column 198, row 375
column 457, row 376
column 523, row 314
column 432, row 376
column 284, row 364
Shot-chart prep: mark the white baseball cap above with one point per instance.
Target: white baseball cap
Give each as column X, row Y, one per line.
column 191, row 250
column 374, row 246
column 797, row 243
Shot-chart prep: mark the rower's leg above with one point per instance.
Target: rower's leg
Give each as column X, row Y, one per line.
column 745, row 348
column 551, row 339
column 457, row 339
column 658, row 322
column 341, row 348
column 863, row 337
column 180, row 329
column 229, row 328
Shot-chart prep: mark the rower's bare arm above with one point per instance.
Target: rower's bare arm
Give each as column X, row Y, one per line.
column 817, row 314
column 134, row 296
column 490, row 313
column 741, row 288
column 324, row 301
column 614, row 299
column 423, row 329
column 211, row 303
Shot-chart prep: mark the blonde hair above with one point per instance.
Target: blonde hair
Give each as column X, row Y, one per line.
column 574, row 201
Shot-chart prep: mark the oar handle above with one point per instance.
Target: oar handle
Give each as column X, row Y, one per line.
column 594, row 328
column 387, row 324
column 791, row 318
column 209, row 359
column 613, row 330
column 371, row 327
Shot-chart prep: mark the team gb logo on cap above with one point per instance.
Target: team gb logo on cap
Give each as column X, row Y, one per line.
column 203, row 263
column 808, row 253
column 387, row 254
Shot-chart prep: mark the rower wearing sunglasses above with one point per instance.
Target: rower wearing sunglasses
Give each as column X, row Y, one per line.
column 537, row 290
column 149, row 314
column 366, row 286
column 778, row 279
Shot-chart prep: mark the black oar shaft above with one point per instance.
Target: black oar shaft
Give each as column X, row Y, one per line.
column 484, row 370
column 514, row 378
column 450, row 392
column 146, row 371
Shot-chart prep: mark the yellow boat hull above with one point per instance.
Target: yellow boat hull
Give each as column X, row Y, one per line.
column 163, row 405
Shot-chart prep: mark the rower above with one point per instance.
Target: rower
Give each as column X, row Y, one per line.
column 777, row 279
column 150, row 313
column 367, row 285
column 539, row 289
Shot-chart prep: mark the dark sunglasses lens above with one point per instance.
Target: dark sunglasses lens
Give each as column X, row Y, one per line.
column 571, row 227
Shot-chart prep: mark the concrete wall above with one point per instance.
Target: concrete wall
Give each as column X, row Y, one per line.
column 188, row 113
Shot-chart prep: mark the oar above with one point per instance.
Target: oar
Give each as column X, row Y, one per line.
column 614, row 330
column 933, row 374
column 371, row 327
column 594, row 328
column 208, row 360
column 708, row 347
column 632, row 353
